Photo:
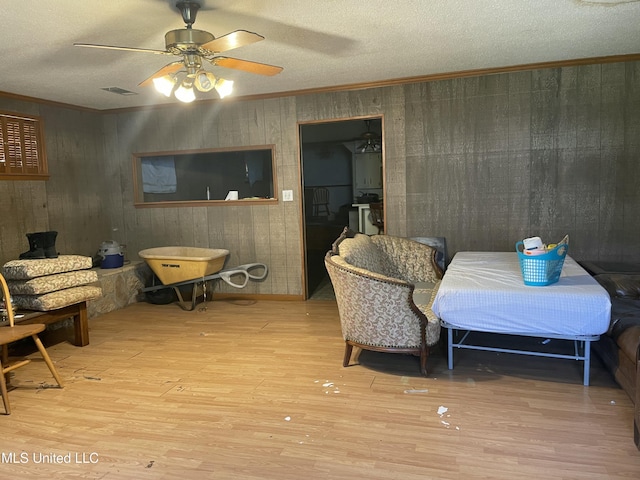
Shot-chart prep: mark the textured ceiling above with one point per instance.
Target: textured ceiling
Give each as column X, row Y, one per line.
column 319, row 43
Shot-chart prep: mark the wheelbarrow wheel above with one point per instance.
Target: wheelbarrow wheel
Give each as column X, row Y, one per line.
column 164, row 296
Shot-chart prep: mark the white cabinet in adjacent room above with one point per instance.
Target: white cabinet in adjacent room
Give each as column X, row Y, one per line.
column 367, row 172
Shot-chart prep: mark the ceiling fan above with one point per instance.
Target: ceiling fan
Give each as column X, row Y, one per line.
column 371, row 141
column 196, row 47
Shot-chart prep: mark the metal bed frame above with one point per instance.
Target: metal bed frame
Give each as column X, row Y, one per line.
column 582, row 346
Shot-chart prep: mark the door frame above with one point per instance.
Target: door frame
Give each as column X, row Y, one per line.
column 301, row 180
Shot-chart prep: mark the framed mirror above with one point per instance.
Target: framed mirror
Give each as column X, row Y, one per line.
column 238, row 175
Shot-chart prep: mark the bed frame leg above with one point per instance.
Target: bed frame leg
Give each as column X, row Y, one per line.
column 450, row 347
column 587, row 362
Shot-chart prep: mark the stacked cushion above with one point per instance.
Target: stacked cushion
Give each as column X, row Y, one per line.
column 51, row 283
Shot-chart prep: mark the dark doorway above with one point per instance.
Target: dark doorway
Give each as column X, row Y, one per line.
column 328, row 152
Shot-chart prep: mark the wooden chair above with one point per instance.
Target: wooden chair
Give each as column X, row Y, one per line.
column 12, row 333
column 377, row 216
column 321, row 202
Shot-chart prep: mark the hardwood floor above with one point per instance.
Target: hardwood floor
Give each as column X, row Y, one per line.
column 256, row 390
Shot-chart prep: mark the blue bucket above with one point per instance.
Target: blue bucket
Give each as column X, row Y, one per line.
column 112, row 261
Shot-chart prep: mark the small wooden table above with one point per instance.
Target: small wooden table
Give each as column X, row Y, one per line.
column 77, row 311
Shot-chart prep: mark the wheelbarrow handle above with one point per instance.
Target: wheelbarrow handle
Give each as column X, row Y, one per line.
column 244, row 271
column 227, row 274
column 250, row 266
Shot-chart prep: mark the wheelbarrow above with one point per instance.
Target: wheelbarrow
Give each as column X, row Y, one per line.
column 243, row 272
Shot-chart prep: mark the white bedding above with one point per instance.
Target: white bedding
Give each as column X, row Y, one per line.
column 484, row 291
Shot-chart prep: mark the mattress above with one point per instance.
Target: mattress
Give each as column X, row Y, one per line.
column 484, row 291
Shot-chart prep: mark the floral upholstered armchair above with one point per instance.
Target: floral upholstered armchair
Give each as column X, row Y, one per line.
column 384, row 289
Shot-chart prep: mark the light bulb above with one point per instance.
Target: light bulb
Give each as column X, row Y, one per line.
column 185, row 93
column 164, row 84
column 224, row 87
column 204, row 81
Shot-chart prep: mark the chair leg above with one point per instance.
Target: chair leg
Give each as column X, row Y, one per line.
column 5, row 361
column 424, row 354
column 47, row 360
column 347, row 354
column 5, row 393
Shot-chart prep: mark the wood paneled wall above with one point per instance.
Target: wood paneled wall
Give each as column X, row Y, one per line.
column 491, row 160
column 252, row 233
column 483, row 161
column 72, row 201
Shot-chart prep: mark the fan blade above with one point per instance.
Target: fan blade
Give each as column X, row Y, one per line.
column 166, row 70
column 247, row 66
column 232, row 40
column 126, row 49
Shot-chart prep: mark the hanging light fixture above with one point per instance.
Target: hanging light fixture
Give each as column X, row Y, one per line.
column 199, row 80
column 372, row 141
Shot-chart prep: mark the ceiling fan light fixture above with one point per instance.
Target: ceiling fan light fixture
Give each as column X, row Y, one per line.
column 369, row 146
column 164, row 84
column 204, row 81
column 224, row 87
column 185, row 92
column 372, row 142
column 194, row 47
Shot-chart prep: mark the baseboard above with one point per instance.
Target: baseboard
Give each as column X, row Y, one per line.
column 258, row 296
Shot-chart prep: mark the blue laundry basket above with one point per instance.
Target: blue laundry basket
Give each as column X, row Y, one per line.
column 542, row 270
